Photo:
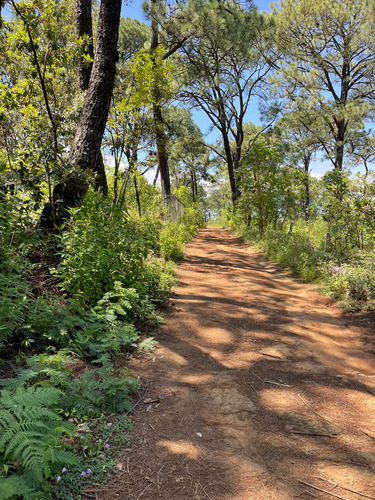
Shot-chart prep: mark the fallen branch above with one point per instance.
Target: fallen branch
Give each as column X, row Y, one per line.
column 151, row 400
column 314, row 434
column 270, row 355
column 366, row 434
column 320, row 489
column 270, row 381
column 276, row 383
column 344, row 488
column 316, row 413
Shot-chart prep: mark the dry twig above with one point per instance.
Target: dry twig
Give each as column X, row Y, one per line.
column 320, row 489
column 139, row 496
column 345, row 488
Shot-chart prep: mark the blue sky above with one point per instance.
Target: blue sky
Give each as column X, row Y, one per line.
column 319, row 167
column 135, row 10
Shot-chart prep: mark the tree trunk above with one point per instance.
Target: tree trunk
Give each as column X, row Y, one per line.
column 83, row 20
column 137, row 195
column 160, row 136
column 340, row 141
column 86, row 146
column 306, row 183
column 229, row 158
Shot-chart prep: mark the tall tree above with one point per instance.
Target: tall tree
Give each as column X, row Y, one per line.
column 223, row 71
column 160, row 135
column 86, row 145
column 83, row 21
column 328, row 67
column 301, row 150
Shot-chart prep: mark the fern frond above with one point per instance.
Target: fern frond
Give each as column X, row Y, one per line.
column 13, row 486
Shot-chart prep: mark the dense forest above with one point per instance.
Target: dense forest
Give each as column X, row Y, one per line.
column 105, row 175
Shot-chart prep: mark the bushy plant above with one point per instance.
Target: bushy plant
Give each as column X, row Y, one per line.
column 102, row 246
column 172, row 241
column 33, row 448
column 351, row 281
column 99, row 392
column 301, row 250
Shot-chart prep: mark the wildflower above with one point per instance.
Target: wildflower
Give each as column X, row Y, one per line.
column 58, row 478
column 64, row 469
column 107, row 446
column 83, row 473
column 88, row 471
column 85, row 448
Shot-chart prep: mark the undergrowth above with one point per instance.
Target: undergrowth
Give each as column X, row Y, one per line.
column 302, row 249
column 69, row 303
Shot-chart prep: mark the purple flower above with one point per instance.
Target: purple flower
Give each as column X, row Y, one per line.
column 64, row 469
column 83, row 473
column 58, row 478
column 88, row 471
column 107, row 446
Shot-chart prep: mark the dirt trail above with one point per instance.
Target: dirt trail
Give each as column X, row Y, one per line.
column 258, row 385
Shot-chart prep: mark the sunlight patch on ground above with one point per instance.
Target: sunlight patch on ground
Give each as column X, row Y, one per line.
column 182, row 448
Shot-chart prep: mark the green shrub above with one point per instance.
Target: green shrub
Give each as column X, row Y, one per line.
column 102, row 246
column 351, row 281
column 172, row 241
column 301, row 251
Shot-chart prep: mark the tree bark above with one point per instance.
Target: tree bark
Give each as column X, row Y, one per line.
column 231, row 171
column 160, row 135
column 87, row 141
column 340, row 138
column 83, row 20
column 86, row 146
column 306, row 183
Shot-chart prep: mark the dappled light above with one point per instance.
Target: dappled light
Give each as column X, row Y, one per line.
column 274, row 398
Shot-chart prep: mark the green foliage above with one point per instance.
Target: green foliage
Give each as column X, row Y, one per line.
column 32, row 445
column 99, row 392
column 172, row 239
column 153, row 78
column 13, row 304
column 354, row 281
column 103, row 246
column 175, row 234
column 31, row 441
column 301, row 251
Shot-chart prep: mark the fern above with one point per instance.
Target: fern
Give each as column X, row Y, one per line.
column 99, row 392
column 13, row 486
column 30, row 436
column 41, row 370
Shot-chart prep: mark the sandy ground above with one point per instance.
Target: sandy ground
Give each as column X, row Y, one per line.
column 259, row 389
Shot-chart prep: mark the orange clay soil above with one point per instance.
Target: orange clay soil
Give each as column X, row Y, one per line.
column 259, row 389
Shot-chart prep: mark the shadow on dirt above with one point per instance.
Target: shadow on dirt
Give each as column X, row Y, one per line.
column 260, row 391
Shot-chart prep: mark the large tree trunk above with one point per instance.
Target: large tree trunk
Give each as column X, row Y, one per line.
column 86, row 146
column 83, row 20
column 87, row 141
column 160, row 135
column 230, row 166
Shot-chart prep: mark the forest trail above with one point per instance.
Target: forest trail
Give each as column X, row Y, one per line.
column 258, row 387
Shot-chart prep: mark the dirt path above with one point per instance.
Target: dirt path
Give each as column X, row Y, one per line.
column 258, row 388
